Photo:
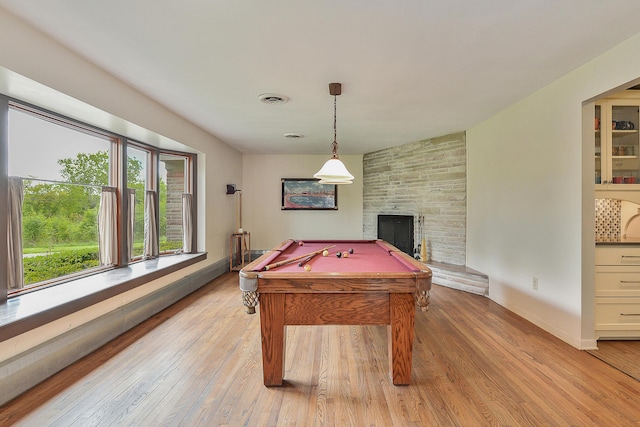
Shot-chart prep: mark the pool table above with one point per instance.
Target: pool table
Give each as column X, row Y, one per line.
column 371, row 283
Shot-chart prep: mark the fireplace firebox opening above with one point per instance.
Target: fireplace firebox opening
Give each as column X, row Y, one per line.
column 397, row 230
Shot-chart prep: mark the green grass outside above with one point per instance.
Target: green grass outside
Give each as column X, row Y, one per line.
column 137, row 247
column 57, row 248
column 63, row 260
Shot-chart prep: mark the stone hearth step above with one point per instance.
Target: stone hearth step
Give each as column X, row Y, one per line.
column 459, row 277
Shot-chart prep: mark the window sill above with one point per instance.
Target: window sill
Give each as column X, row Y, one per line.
column 23, row 313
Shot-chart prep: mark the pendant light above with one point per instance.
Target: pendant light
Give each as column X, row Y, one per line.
column 334, row 171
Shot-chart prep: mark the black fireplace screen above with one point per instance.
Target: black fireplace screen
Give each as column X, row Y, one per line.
column 397, row 230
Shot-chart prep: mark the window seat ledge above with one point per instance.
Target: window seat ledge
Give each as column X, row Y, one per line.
column 29, row 311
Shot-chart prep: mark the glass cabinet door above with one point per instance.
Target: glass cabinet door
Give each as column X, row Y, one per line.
column 625, row 147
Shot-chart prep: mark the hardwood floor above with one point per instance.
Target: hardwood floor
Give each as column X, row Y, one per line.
column 198, row 363
column 623, row 355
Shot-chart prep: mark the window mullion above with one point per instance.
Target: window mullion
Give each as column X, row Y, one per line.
column 155, row 186
column 119, row 173
column 192, row 188
column 4, row 193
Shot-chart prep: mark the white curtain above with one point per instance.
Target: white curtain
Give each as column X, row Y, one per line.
column 108, row 227
column 131, row 222
column 150, row 226
column 187, row 223
column 15, row 276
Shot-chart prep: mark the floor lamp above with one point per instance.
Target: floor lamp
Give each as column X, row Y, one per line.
column 231, row 189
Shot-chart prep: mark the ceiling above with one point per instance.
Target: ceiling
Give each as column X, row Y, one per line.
column 410, row 69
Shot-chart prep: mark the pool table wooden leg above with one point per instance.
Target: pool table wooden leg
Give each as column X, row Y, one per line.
column 273, row 334
column 401, row 335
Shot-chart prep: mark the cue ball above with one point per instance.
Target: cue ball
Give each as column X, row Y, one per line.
column 307, row 267
column 300, row 243
column 325, row 252
column 350, row 250
column 338, row 254
column 345, row 254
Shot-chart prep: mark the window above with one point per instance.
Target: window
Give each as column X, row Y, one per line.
column 174, row 194
column 137, row 179
column 61, row 188
column 68, row 214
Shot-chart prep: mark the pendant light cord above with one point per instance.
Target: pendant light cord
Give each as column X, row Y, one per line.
column 334, row 146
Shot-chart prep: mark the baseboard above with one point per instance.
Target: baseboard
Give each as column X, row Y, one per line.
column 590, row 344
column 23, row 371
column 543, row 323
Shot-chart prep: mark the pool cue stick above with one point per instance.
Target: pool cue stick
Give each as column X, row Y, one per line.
column 306, row 260
column 294, row 259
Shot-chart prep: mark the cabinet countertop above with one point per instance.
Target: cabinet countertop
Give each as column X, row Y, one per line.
column 621, row 241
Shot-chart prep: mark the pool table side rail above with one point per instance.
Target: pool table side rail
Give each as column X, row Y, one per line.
column 327, row 283
column 286, row 282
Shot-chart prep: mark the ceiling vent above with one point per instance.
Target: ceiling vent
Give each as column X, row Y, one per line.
column 272, row 98
column 293, row 135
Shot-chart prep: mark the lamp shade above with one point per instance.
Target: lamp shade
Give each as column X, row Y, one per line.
column 334, row 172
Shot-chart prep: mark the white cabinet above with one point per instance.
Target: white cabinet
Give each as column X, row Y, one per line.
column 617, row 142
column 617, row 292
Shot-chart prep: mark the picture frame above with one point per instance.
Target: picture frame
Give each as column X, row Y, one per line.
column 308, row 194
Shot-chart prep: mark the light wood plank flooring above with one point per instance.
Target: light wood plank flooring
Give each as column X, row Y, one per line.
column 198, row 363
column 623, row 355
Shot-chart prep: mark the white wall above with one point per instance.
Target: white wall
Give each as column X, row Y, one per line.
column 530, row 198
column 86, row 92
column 261, row 197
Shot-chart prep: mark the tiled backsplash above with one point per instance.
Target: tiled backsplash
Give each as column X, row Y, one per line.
column 608, row 220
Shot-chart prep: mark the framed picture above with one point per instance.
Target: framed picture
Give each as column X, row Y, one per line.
column 308, row 194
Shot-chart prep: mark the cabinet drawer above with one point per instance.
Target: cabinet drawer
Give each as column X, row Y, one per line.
column 618, row 312
column 617, row 283
column 618, row 255
column 617, row 318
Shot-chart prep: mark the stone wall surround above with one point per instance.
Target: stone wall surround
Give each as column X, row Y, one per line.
column 426, row 179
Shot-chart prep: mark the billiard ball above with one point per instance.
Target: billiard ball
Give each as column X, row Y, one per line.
column 345, row 254
column 325, row 252
column 300, row 243
column 339, row 254
column 350, row 250
column 307, row 267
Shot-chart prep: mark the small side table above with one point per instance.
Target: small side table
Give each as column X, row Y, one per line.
column 239, row 250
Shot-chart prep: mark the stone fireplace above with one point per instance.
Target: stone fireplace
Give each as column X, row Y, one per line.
column 426, row 181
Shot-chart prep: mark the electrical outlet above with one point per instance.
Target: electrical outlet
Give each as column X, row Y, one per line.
column 535, row 284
